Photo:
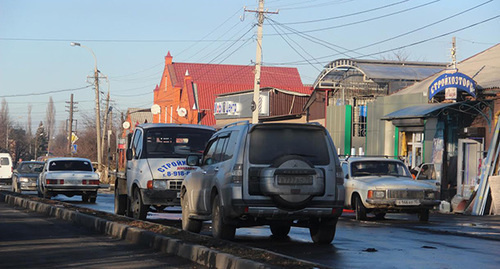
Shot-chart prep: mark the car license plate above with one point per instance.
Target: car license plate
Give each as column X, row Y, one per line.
column 72, row 181
column 295, row 180
column 407, row 202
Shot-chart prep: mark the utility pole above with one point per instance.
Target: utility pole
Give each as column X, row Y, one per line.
column 71, row 111
column 104, row 131
column 258, row 60
column 98, row 118
column 70, row 125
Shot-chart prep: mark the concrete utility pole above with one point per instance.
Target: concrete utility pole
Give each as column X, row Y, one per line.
column 258, row 61
column 97, row 106
column 70, row 125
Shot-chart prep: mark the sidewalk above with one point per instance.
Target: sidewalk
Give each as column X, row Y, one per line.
column 485, row 227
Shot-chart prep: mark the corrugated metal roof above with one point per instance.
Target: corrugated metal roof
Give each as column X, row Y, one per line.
column 483, row 67
column 381, row 70
column 398, row 71
column 420, row 111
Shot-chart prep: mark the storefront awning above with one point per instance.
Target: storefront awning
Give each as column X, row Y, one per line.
column 420, row 111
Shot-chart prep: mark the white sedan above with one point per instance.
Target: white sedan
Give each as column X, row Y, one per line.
column 68, row 176
column 381, row 185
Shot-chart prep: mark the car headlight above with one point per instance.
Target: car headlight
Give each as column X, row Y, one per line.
column 24, row 179
column 430, row 194
column 160, row 184
column 376, row 194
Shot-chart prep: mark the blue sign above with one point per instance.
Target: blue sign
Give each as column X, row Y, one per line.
column 74, row 147
column 453, row 80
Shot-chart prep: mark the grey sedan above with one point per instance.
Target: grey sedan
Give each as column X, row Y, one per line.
column 24, row 177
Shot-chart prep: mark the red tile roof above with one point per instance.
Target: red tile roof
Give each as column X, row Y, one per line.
column 214, row 79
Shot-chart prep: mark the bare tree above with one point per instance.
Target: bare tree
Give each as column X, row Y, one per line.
column 4, row 125
column 399, row 56
column 50, row 121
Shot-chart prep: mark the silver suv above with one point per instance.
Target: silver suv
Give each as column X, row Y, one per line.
column 276, row 174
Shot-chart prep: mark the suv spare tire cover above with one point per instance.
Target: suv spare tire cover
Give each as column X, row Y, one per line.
column 292, row 201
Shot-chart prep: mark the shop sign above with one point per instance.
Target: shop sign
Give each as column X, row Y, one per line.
column 227, row 108
column 454, row 80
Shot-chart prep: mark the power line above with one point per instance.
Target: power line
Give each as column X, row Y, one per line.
column 296, row 50
column 347, row 15
column 43, row 93
column 114, row 40
column 391, row 38
column 370, row 19
column 435, row 37
column 398, row 48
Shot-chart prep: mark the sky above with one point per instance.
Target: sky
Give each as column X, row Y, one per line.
column 131, row 38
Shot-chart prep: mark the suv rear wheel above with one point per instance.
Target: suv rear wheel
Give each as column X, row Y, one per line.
column 188, row 224
column 323, row 231
column 220, row 229
column 280, row 230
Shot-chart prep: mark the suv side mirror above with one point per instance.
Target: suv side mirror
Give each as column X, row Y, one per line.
column 129, row 154
column 193, row 160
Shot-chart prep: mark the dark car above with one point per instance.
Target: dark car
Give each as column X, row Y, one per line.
column 25, row 176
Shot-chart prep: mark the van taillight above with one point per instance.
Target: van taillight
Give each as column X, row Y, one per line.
column 237, row 174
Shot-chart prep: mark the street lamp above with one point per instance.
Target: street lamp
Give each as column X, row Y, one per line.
column 97, row 107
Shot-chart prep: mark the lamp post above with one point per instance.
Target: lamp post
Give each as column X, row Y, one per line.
column 97, row 106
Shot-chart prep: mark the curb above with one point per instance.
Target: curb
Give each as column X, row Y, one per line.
column 196, row 253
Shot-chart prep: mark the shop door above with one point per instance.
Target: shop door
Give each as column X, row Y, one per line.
column 468, row 165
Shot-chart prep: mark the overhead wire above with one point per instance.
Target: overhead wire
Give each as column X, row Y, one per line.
column 290, row 45
column 370, row 19
column 355, row 50
column 43, row 93
column 435, row 37
column 346, row 15
column 211, row 32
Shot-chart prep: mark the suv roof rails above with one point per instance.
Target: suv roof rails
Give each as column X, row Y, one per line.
column 236, row 123
column 375, row 156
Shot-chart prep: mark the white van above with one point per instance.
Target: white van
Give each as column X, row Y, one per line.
column 5, row 170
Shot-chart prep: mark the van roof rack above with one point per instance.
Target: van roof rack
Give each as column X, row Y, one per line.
column 236, row 123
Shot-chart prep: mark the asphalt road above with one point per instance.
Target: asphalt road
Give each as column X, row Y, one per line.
column 31, row 240
column 399, row 241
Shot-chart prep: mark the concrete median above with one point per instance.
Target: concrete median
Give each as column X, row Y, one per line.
column 196, row 253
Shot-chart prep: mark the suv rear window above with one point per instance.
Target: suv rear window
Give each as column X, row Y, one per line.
column 269, row 143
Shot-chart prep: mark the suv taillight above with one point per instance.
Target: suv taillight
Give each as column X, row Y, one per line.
column 237, row 174
column 339, row 175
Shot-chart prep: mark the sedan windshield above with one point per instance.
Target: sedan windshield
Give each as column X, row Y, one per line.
column 30, row 168
column 379, row 168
